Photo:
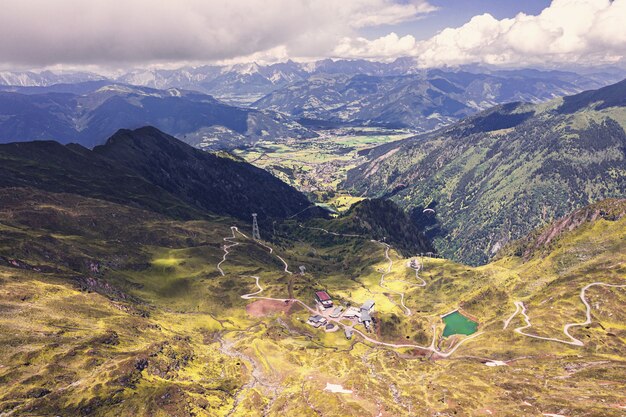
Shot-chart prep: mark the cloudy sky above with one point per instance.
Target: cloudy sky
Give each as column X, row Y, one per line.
column 132, row 33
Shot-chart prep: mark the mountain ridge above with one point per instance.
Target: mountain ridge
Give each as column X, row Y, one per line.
column 494, row 178
column 130, row 168
column 423, row 101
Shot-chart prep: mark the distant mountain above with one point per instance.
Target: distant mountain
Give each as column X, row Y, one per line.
column 243, row 84
column 88, row 113
column 238, row 84
column 421, row 101
column 45, row 78
column 494, row 177
column 151, row 170
column 246, row 83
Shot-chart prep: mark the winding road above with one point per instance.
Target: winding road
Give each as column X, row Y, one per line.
column 407, row 310
column 521, row 308
column 229, row 239
column 432, row 348
column 328, row 232
column 226, row 248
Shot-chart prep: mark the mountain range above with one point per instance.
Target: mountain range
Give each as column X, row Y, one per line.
column 240, row 83
column 292, row 99
column 131, row 283
column 88, row 113
column 423, row 101
column 495, row 176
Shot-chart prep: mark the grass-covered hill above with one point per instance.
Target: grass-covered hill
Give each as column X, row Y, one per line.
column 151, row 170
column 377, row 219
column 494, row 177
column 108, row 309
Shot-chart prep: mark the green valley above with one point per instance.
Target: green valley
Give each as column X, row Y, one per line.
column 317, row 166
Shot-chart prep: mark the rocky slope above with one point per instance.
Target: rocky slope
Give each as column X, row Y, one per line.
column 542, row 241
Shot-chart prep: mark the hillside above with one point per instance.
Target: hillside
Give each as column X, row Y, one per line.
column 377, row 219
column 494, row 177
column 151, row 170
column 88, row 113
column 542, row 241
column 111, row 310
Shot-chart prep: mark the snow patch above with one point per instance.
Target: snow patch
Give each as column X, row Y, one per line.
column 336, row 388
column 496, row 363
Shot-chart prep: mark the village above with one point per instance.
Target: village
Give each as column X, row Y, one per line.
column 328, row 312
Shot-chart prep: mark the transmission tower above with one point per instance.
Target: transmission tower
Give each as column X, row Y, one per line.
column 255, row 228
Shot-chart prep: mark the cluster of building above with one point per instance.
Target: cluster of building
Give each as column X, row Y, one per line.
column 361, row 315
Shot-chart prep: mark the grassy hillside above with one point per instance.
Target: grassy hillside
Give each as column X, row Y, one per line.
column 111, row 310
column 495, row 177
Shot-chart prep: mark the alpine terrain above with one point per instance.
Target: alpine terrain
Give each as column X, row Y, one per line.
column 296, row 208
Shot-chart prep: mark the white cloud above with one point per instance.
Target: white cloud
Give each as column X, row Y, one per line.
column 389, row 46
column 568, row 31
column 111, row 32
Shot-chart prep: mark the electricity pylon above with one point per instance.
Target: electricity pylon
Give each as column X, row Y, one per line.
column 255, row 228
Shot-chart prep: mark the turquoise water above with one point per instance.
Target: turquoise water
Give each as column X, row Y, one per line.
column 457, row 323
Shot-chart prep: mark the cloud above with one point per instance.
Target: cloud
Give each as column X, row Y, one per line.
column 110, row 32
column 567, row 31
column 385, row 47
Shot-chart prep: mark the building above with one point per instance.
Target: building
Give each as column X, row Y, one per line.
column 352, row 313
column 317, row 321
column 348, row 332
column 368, row 306
column 324, row 299
column 336, row 312
column 366, row 319
column 366, row 314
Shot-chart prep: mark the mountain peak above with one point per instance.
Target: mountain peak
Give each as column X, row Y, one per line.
column 219, row 185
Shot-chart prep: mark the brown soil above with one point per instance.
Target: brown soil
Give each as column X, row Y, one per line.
column 261, row 308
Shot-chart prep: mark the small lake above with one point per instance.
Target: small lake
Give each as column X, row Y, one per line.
column 457, row 323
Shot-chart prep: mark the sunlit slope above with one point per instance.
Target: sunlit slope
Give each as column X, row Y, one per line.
column 495, row 177
column 108, row 310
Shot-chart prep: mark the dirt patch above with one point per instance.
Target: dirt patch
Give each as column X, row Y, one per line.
column 261, row 308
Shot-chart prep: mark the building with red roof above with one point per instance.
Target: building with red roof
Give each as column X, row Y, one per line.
column 324, row 299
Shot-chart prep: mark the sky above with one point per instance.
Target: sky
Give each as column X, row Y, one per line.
column 99, row 34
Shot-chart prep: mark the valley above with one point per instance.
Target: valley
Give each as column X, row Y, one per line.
column 318, row 166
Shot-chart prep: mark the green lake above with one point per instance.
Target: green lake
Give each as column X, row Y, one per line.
column 457, row 323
